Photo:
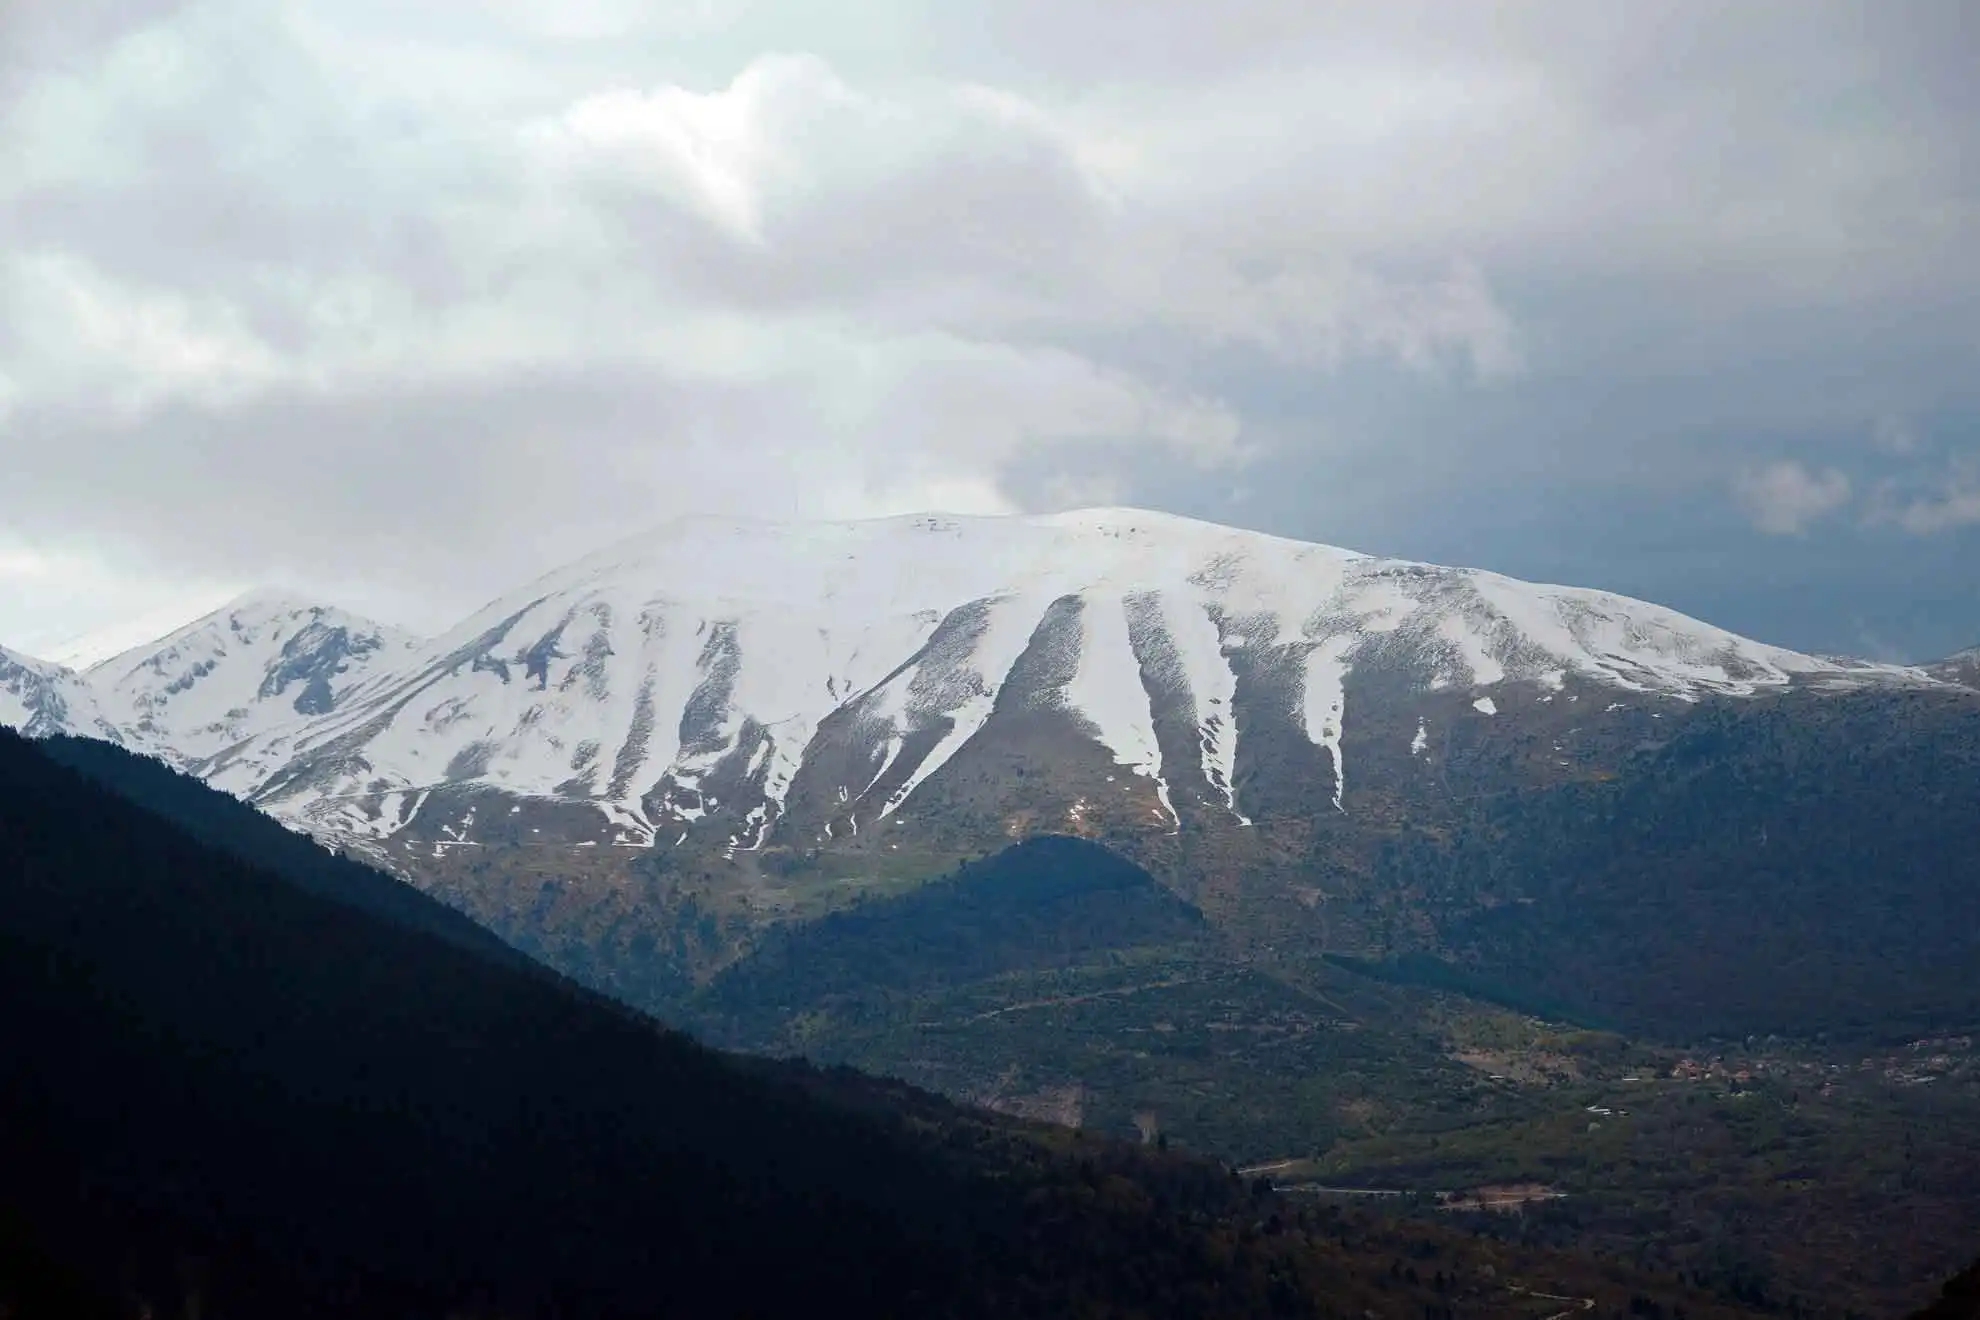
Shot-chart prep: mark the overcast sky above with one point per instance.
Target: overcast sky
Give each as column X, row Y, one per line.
column 400, row 304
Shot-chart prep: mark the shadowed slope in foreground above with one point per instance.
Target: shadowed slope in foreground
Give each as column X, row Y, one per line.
column 215, row 1085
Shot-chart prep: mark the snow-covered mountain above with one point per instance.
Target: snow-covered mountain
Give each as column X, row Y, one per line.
column 258, row 663
column 631, row 764
column 751, row 683
column 43, row 700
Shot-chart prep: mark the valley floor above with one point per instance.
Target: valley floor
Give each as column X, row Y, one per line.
column 1777, row 1173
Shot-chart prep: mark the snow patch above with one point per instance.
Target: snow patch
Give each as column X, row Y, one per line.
column 1212, row 687
column 1006, row 631
column 1325, row 702
column 1107, row 692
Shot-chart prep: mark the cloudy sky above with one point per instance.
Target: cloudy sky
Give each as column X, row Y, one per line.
column 400, row 304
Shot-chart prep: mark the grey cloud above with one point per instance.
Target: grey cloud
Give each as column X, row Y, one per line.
column 1785, row 497
column 1433, row 279
column 1932, row 501
column 478, row 491
column 483, row 486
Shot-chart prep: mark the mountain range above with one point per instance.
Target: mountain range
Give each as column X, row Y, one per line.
column 759, row 722
column 752, row 684
column 775, row 783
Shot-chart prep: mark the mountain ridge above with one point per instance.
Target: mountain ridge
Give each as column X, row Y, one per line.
column 695, row 727
column 677, row 769
column 757, row 645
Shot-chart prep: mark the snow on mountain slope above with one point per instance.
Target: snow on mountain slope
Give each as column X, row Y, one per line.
column 43, row 700
column 1962, row 667
column 255, row 664
column 706, row 675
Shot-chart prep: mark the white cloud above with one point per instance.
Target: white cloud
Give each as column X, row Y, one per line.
column 1958, row 506
column 285, row 286
column 95, row 344
column 713, row 152
column 832, row 298
column 1948, row 501
column 1785, row 498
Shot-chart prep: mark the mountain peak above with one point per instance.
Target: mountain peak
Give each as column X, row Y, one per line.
column 909, row 563
column 257, row 606
column 42, row 699
column 750, row 678
column 747, row 678
column 264, row 658
column 268, row 599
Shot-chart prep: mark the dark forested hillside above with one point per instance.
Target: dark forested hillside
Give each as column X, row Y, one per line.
column 198, row 1053
column 1797, row 865
column 221, row 1094
column 1959, row 1300
column 1045, row 904
column 230, row 826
